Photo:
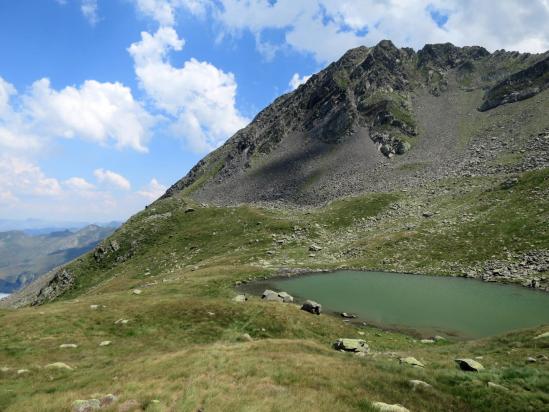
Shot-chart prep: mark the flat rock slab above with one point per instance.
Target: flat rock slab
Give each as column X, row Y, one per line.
column 409, row 360
column 469, row 365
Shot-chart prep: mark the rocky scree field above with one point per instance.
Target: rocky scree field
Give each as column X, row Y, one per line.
column 389, row 159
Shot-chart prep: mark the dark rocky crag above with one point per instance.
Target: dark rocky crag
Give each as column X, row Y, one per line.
column 334, row 135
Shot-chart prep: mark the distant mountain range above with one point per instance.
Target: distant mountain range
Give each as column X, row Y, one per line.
column 41, row 227
column 40, row 246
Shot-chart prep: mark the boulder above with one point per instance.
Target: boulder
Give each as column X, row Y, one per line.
column 240, row 298
column 469, row 365
column 271, row 295
column 351, row 345
column 385, row 407
column 417, row 384
column 86, row 405
column 409, row 360
column 59, row 365
column 312, row 307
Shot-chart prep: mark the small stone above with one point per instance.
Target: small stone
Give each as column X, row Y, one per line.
column 68, row 345
column 87, row 405
column 189, row 210
column 121, row 322
column 385, row 407
column 351, row 345
column 427, row 341
column 240, row 298
column 59, row 365
column 245, row 337
column 347, row 315
column 137, row 291
column 469, row 365
column 94, row 307
column 105, row 343
column 22, row 371
column 417, row 384
column 530, row 359
column 438, row 338
column 314, row 248
column 409, row 360
column 427, row 214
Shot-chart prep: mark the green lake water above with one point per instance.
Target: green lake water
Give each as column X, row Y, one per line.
column 427, row 305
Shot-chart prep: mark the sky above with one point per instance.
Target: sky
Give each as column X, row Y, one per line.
column 106, row 103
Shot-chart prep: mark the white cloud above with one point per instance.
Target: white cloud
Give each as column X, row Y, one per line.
column 90, row 10
column 298, row 80
column 327, row 28
column 163, row 11
column 78, row 183
column 21, row 177
column 99, row 112
column 153, row 190
column 112, row 178
column 199, row 97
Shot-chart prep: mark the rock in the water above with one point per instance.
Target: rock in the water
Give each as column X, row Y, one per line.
column 105, row 343
column 347, row 315
column 240, row 298
column 543, row 335
column 497, row 386
column 469, row 365
column 137, row 291
column 351, row 345
column 68, row 345
column 409, row 360
column 312, row 307
column 417, row 384
column 59, row 365
column 385, row 407
column 272, row 296
column 86, row 405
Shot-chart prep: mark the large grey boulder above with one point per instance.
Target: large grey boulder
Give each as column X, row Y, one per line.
column 351, row 345
column 312, row 307
column 272, row 296
column 469, row 365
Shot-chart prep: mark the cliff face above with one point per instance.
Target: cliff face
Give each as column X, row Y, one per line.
column 334, row 135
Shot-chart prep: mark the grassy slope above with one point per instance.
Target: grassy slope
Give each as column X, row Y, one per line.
column 173, row 350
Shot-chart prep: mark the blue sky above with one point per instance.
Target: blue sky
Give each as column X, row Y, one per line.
column 105, row 103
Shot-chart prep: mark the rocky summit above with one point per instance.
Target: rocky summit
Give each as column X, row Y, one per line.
column 429, row 162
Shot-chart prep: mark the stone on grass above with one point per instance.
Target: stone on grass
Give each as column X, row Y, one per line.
column 59, row 365
column 385, row 407
column 427, row 341
column 105, row 343
column 245, row 337
column 531, row 359
column 409, row 360
column 137, row 291
column 94, row 307
column 23, row 371
column 240, row 298
column 469, row 365
column 543, row 335
column 312, row 307
column 497, row 386
column 108, row 400
column 121, row 322
column 314, row 248
column 351, row 345
column 272, row 296
column 438, row 338
column 86, row 405
column 417, row 384
column 68, row 346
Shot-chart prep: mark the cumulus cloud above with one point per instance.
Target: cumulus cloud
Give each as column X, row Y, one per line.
column 90, row 10
column 153, row 190
column 199, row 97
column 21, row 177
column 78, row 183
column 104, row 113
column 298, row 80
column 163, row 11
column 112, row 178
column 327, row 28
